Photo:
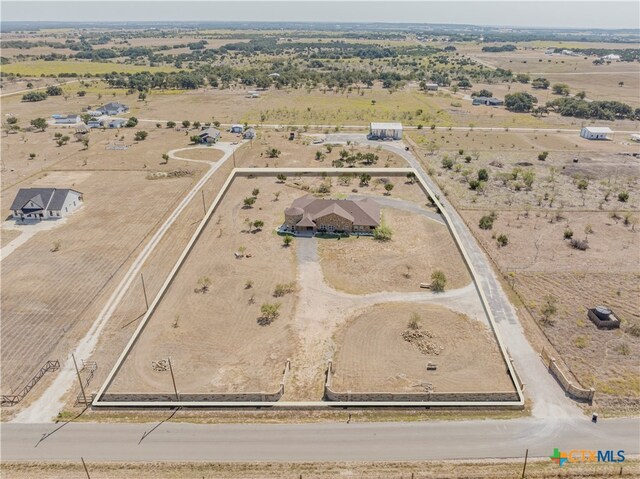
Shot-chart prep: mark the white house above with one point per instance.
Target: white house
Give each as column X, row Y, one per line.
column 386, row 130
column 117, row 123
column 45, row 203
column 236, row 128
column 596, row 132
column 70, row 119
column 611, row 57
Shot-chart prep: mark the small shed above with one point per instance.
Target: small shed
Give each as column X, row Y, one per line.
column 117, row 123
column 596, row 132
column 70, row 119
column 382, row 131
column 431, row 87
column 210, row 135
column 237, row 128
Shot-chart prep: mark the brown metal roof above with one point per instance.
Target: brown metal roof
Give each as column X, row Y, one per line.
column 361, row 212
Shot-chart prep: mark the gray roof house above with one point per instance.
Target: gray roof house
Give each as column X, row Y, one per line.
column 45, row 203
column 210, row 135
column 483, row 100
column 249, row 134
column 113, row 108
column 309, row 214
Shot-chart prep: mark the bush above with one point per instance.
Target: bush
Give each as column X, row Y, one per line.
column 287, row 240
column 131, row 122
column 269, row 313
column 623, row 196
column 486, row 222
column 543, row 156
column 281, row 178
column 483, row 175
column 568, row 233
column 35, row 96
column 438, row 281
column 634, row 330
column 171, row 124
column 447, row 163
column 383, row 233
column 503, row 240
column 579, row 244
column 54, row 90
column 282, row 289
column 249, row 201
column 140, row 135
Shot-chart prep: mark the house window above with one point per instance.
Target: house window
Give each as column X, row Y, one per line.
column 330, row 228
column 322, row 227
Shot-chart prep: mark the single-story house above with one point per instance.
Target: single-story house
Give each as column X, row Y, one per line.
column 210, row 135
column 596, row 132
column 70, row 119
column 483, row 100
column 310, row 214
column 236, row 129
column 611, row 57
column 431, row 87
column 113, row 108
column 386, row 130
column 95, row 123
column 117, row 123
column 45, row 203
column 249, row 134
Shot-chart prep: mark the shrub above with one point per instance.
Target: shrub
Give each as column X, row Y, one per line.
column 483, row 174
column 568, row 233
column 269, row 313
column 549, row 308
column 623, row 196
column 255, row 192
column 486, row 222
column 388, row 187
column 579, row 244
column 282, row 289
column 281, row 178
column 54, row 90
column 438, row 281
column 131, row 122
column 447, row 163
column 141, row 135
column 249, row 201
column 543, row 156
column 273, row 152
column 382, row 233
column 171, row 124
column 634, row 330
column 35, row 96
column 287, row 240
column 503, row 240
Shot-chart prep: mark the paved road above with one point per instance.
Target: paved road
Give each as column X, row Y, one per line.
column 50, row 402
column 315, row 442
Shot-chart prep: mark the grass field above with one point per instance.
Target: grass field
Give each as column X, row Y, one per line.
column 42, row 67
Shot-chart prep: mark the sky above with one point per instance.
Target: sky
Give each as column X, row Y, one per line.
column 517, row 13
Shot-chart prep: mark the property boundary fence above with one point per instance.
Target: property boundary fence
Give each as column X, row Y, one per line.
column 13, row 399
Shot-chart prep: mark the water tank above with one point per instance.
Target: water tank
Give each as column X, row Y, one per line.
column 602, row 312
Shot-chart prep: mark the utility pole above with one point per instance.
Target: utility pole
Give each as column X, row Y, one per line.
column 524, row 469
column 144, row 290
column 79, row 380
column 85, row 468
column 175, row 389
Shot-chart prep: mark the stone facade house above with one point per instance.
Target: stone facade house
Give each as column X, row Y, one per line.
column 309, row 214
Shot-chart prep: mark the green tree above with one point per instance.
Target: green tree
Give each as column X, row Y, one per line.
column 40, row 124
column 249, row 201
column 365, row 178
column 171, row 124
column 519, row 102
column 186, row 123
column 438, row 281
column 281, row 178
column 486, row 222
column 273, row 152
column 287, row 240
column 549, row 308
column 560, row 89
column 388, row 187
column 483, row 175
column 33, row 96
column 131, row 122
column 141, row 135
column 540, row 83
column 54, row 90
column 270, row 312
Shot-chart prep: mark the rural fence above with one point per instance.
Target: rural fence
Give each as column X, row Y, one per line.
column 571, row 389
column 13, row 399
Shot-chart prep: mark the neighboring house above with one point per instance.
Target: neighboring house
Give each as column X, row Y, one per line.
column 113, row 108
column 311, row 215
column 95, row 123
column 611, row 57
column 249, row 134
column 81, row 131
column 386, row 130
column 210, row 135
column 45, row 203
column 70, row 119
column 431, row 87
column 117, row 123
column 236, row 129
column 483, row 100
column 549, row 51
column 596, row 132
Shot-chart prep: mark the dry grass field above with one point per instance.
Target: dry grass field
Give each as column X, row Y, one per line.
column 214, row 339
column 372, row 355
column 419, row 247
column 577, row 174
column 46, row 295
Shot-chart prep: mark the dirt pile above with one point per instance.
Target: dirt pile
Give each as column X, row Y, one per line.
column 422, row 339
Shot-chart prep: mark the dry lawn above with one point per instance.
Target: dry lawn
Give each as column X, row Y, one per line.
column 214, row 339
column 419, row 246
column 372, row 356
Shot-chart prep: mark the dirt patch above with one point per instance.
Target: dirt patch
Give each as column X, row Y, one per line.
column 372, row 354
column 214, row 338
column 419, row 246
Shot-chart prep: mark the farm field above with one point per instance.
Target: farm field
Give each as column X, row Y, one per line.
column 35, row 68
column 94, row 243
column 372, row 354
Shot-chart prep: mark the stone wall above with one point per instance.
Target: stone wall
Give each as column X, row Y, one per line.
column 571, row 389
column 338, row 222
column 491, row 396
